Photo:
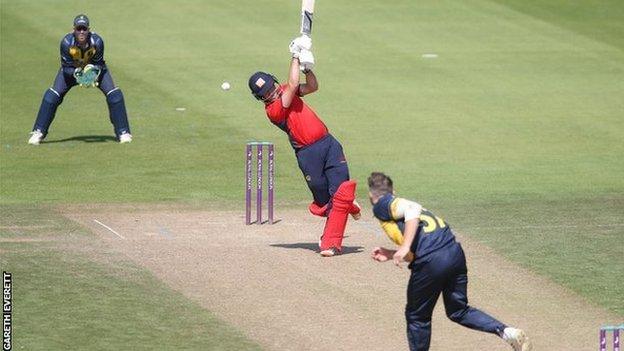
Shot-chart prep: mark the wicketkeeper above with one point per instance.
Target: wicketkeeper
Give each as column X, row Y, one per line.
column 438, row 266
column 319, row 154
column 82, row 62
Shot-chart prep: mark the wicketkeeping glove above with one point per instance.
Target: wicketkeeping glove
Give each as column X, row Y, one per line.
column 87, row 76
column 306, row 60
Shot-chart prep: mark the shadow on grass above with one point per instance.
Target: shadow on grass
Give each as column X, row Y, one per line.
column 84, row 138
column 315, row 247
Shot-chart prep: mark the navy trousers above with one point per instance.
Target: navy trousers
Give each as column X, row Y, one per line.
column 442, row 272
column 63, row 82
column 324, row 167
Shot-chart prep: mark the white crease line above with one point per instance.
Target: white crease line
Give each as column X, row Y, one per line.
column 109, row 228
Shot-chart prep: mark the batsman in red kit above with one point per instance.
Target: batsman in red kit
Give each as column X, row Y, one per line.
column 319, row 154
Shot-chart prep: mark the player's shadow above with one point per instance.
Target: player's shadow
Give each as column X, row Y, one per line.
column 266, row 221
column 315, row 247
column 84, row 138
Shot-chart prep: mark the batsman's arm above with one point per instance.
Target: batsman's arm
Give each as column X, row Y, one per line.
column 293, row 83
column 311, row 84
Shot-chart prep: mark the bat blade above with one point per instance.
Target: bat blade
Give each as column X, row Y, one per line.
column 307, row 11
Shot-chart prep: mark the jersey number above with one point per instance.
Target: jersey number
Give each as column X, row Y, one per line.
column 431, row 223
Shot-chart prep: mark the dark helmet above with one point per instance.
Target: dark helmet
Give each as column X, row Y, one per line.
column 261, row 83
column 81, row 21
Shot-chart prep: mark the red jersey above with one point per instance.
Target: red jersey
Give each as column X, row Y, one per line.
column 299, row 121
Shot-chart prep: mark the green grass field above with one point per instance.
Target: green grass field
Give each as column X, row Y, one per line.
column 514, row 133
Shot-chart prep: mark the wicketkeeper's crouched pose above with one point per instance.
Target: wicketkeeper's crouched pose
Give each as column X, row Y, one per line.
column 438, row 266
column 82, row 62
column 319, row 154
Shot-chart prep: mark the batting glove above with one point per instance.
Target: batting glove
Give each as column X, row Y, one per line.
column 302, row 42
column 306, row 60
column 294, row 49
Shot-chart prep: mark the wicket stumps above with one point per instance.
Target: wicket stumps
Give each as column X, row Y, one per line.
column 259, row 180
column 616, row 337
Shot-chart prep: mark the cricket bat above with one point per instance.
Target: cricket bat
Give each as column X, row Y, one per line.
column 307, row 11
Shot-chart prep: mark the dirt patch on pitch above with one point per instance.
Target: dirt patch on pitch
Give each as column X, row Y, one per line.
column 269, row 282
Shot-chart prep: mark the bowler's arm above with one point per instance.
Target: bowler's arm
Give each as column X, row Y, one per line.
column 410, row 212
column 409, row 233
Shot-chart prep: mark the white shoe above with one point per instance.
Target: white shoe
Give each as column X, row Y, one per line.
column 330, row 252
column 517, row 339
column 35, row 137
column 125, row 138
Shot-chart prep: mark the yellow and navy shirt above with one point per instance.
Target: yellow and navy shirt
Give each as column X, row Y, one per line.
column 72, row 55
column 432, row 232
